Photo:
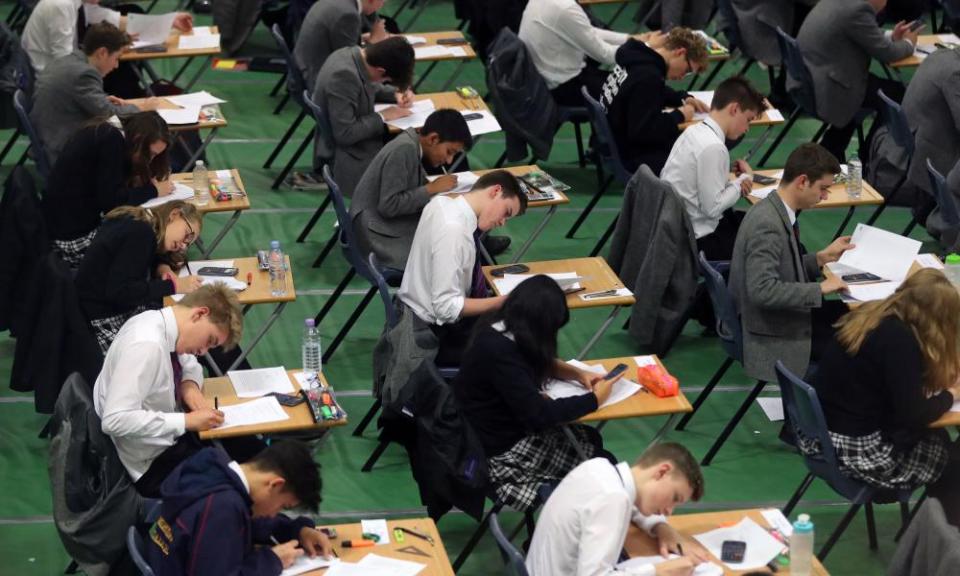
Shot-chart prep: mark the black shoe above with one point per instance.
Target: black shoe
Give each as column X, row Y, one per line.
column 496, row 245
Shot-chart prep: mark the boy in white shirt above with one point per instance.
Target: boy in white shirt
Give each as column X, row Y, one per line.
column 583, row 525
column 699, row 167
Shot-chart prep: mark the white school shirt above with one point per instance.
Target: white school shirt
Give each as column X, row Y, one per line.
column 583, row 524
column 698, row 168
column 439, row 270
column 51, row 30
column 558, row 35
column 134, row 393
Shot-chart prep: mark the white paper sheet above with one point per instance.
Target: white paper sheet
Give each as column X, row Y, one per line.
column 185, row 115
column 394, row 567
column 378, row 527
column 230, row 282
column 414, row 40
column 645, row 361
column 419, row 112
column 774, row 115
column 955, row 407
column 486, row 124
column 566, row 280
column 776, row 519
column 948, row 38
column 772, row 407
column 705, row 569
column 306, row 564
column 622, row 389
column 199, row 41
column 761, row 546
column 762, row 193
column 457, row 52
column 879, row 252
column 465, row 181
column 349, row 569
column 259, row 411
column 869, row 292
column 202, row 30
column 151, row 29
column 195, row 265
column 180, row 192
column 432, row 51
column 929, row 261
column 260, row 381
column 202, row 98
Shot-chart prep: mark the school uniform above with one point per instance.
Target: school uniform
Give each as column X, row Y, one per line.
column 51, row 31
column 328, row 26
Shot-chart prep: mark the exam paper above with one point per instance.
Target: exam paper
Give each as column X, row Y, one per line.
column 868, row 292
column 202, row 98
column 432, row 51
column 150, row 29
column 567, row 280
column 419, row 112
column 201, row 30
column 199, row 41
column 929, row 261
column 306, row 564
column 465, row 181
column 180, row 192
column 704, row 569
column 486, row 124
column 776, row 519
column 642, row 361
column 259, row 411
column 948, row 38
column 622, row 388
column 378, row 527
column 761, row 546
column 185, row 115
column 414, row 40
column 762, row 193
column 879, row 252
column 196, row 265
column 259, row 381
column 375, row 564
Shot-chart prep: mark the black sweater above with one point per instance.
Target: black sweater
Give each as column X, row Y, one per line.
column 496, row 392
column 881, row 388
column 116, row 274
column 88, row 180
column 634, row 96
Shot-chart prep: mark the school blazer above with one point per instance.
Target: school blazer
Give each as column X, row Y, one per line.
column 758, row 21
column 932, row 106
column 838, row 39
column 774, row 288
column 328, row 26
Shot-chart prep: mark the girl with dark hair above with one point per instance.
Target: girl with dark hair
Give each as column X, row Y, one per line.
column 499, row 389
column 100, row 168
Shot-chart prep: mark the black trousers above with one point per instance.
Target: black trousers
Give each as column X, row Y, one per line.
column 453, row 340
column 837, row 138
column 568, row 93
column 718, row 245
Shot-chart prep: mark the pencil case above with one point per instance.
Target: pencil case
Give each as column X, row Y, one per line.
column 658, row 381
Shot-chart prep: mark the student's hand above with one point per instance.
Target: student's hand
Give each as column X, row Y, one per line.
column 116, row 101
column 163, row 270
column 164, row 187
column 670, row 541
column 602, row 388
column 377, row 32
column 688, row 111
column 393, row 113
column 746, row 186
column 445, row 183
column 192, row 398
column 183, row 21
column 288, row 552
column 677, row 567
column 588, row 379
column 200, row 420
column 741, row 167
column 187, row 284
column 149, row 104
column 315, row 542
column 833, row 252
column 698, row 105
column 833, row 284
column 405, row 98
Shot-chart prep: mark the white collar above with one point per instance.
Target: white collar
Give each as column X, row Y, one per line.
column 360, row 7
column 239, row 472
column 467, row 210
column 626, row 476
column 791, row 213
column 715, row 128
column 170, row 331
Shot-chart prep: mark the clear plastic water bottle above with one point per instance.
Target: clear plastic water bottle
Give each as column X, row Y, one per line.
column 951, row 268
column 854, row 178
column 801, row 547
column 201, row 184
column 311, row 350
column 278, row 270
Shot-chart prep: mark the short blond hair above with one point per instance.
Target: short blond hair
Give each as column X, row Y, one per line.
column 224, row 307
column 694, row 43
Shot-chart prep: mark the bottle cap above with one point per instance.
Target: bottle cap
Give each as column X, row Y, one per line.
column 953, row 258
column 309, row 323
column 803, row 524
column 199, row 164
column 274, row 244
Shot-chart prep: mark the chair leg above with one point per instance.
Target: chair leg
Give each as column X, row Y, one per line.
column 905, row 520
column 838, row 531
column 326, row 249
column 581, row 157
column 368, row 417
column 475, row 538
column 284, row 139
column 280, row 83
column 72, row 567
column 313, row 219
column 798, row 494
column 714, row 380
column 871, row 525
column 333, row 297
column 282, row 104
column 606, row 236
column 293, row 160
column 13, row 140
column 377, row 453
column 876, row 213
column 728, row 429
column 819, row 135
column 589, row 208
column 913, row 223
column 332, row 347
column 783, row 134
column 501, row 160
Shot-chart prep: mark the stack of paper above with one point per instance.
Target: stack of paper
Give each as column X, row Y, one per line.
column 465, row 181
column 199, row 41
column 568, row 281
column 259, row 411
column 414, row 40
column 438, row 51
column 704, row 569
column 180, row 192
column 622, row 388
column 260, row 381
column 184, row 115
column 419, row 112
column 202, row 98
column 761, row 546
column 878, row 252
column 150, row 29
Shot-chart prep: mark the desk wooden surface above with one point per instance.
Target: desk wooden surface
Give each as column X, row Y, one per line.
column 597, row 273
column 258, row 292
column 518, row 171
column 438, row 564
column 173, row 49
column 642, row 403
column 947, row 420
column 447, row 100
column 300, row 417
column 432, row 38
column 231, row 205
column 837, row 197
column 219, row 122
column 639, row 543
column 928, row 41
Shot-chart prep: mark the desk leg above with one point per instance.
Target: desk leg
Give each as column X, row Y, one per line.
column 181, row 70
column 452, row 78
column 207, row 250
column 199, row 151
column 430, row 67
column 401, row 8
column 198, row 73
column 260, row 334
column 536, row 233
column 667, row 426
column 573, row 440
column 759, row 143
column 843, row 224
column 603, row 328
column 416, row 16
column 148, row 68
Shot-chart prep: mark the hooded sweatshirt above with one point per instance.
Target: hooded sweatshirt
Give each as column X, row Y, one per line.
column 634, row 96
column 206, row 524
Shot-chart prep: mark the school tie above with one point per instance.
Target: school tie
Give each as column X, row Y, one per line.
column 798, row 247
column 177, row 376
column 478, row 286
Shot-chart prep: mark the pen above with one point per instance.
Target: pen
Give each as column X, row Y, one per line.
column 216, row 403
column 249, row 278
column 187, row 264
column 680, row 548
column 601, row 294
column 419, row 535
column 274, row 540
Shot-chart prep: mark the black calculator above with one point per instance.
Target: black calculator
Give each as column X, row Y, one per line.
column 733, row 551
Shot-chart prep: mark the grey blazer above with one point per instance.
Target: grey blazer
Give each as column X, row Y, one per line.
column 932, row 106
column 690, row 13
column 773, row 287
column 758, row 21
column 328, row 26
column 838, row 39
column 68, row 94
column 388, row 200
column 346, row 92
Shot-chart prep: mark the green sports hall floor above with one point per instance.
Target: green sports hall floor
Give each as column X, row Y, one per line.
column 752, row 470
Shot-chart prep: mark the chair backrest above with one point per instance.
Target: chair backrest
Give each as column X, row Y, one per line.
column 606, row 145
column 730, row 24
column 897, row 124
column 136, row 547
column 512, row 557
column 376, row 273
column 24, row 73
column 724, row 308
column 22, row 105
column 802, row 95
column 322, row 124
column 347, row 244
column 295, row 82
column 949, row 211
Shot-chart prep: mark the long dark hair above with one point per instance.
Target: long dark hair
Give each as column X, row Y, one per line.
column 140, row 130
column 534, row 313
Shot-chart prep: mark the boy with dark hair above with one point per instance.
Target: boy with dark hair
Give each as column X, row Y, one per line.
column 698, row 167
column 442, row 283
column 348, row 85
column 635, row 95
column 215, row 511
column 388, row 199
column 584, row 522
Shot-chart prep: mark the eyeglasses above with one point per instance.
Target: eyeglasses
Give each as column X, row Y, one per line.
column 191, row 233
column 690, row 69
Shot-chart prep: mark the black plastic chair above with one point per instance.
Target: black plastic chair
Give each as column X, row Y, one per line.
column 513, row 558
column 321, row 124
column 36, row 150
column 24, row 76
column 803, row 410
column 731, row 340
column 295, row 89
column 949, row 212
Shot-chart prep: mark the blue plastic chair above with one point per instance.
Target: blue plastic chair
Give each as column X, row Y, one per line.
column 903, row 136
column 295, row 88
column 731, row 340
column 949, row 212
column 135, row 544
column 730, row 27
column 322, row 124
column 36, row 150
column 513, row 558
column 805, row 414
